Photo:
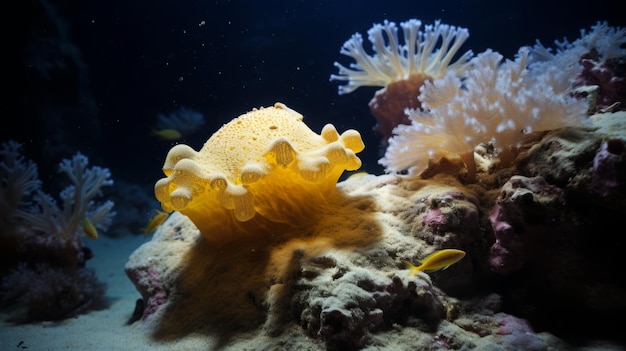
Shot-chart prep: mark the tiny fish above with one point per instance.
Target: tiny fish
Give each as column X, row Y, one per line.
column 156, row 221
column 358, row 174
column 167, row 134
column 437, row 260
column 89, row 229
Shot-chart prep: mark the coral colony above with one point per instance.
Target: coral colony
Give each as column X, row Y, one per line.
column 43, row 268
column 496, row 102
column 482, row 99
column 476, row 190
column 401, row 69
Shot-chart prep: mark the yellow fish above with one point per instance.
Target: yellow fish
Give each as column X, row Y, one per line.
column 89, row 229
column 437, row 260
column 167, row 134
column 358, row 174
column 156, row 221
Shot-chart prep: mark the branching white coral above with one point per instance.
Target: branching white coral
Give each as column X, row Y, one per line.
column 604, row 39
column 498, row 102
column 393, row 62
column 184, row 120
column 599, row 52
column 23, row 202
column 18, row 178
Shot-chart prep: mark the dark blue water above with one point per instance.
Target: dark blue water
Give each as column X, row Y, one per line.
column 111, row 66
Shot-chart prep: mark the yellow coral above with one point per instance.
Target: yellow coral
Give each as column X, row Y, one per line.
column 265, row 166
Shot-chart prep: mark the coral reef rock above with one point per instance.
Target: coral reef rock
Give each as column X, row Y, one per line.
column 339, row 285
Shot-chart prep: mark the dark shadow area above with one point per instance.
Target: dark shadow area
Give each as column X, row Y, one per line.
column 572, row 285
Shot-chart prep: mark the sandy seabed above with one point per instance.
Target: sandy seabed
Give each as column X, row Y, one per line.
column 105, row 329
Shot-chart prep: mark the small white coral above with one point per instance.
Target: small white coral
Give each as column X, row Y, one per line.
column 498, row 102
column 23, row 202
column 394, row 62
column 601, row 53
column 604, row 39
column 18, row 179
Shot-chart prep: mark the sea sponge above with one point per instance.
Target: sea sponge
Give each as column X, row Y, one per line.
column 401, row 69
column 265, row 166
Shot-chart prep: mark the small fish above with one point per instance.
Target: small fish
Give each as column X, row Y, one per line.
column 89, row 229
column 167, row 134
column 156, row 221
column 437, row 260
column 358, row 174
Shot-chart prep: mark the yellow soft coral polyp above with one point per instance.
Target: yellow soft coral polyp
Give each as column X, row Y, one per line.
column 265, row 167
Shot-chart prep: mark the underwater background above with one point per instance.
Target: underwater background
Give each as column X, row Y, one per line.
column 109, row 68
column 99, row 77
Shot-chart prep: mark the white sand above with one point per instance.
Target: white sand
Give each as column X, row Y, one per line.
column 97, row 330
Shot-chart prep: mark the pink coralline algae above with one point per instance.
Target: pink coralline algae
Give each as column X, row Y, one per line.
column 609, row 78
column 608, row 176
column 447, row 212
column 151, row 287
column 525, row 208
column 510, row 325
column 517, row 334
column 447, row 217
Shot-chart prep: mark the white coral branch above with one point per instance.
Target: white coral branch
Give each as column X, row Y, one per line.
column 497, row 102
column 40, row 212
column 18, row 181
column 19, row 176
column 607, row 41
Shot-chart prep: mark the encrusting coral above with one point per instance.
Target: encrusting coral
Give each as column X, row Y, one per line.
column 266, row 167
column 401, row 69
column 43, row 267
